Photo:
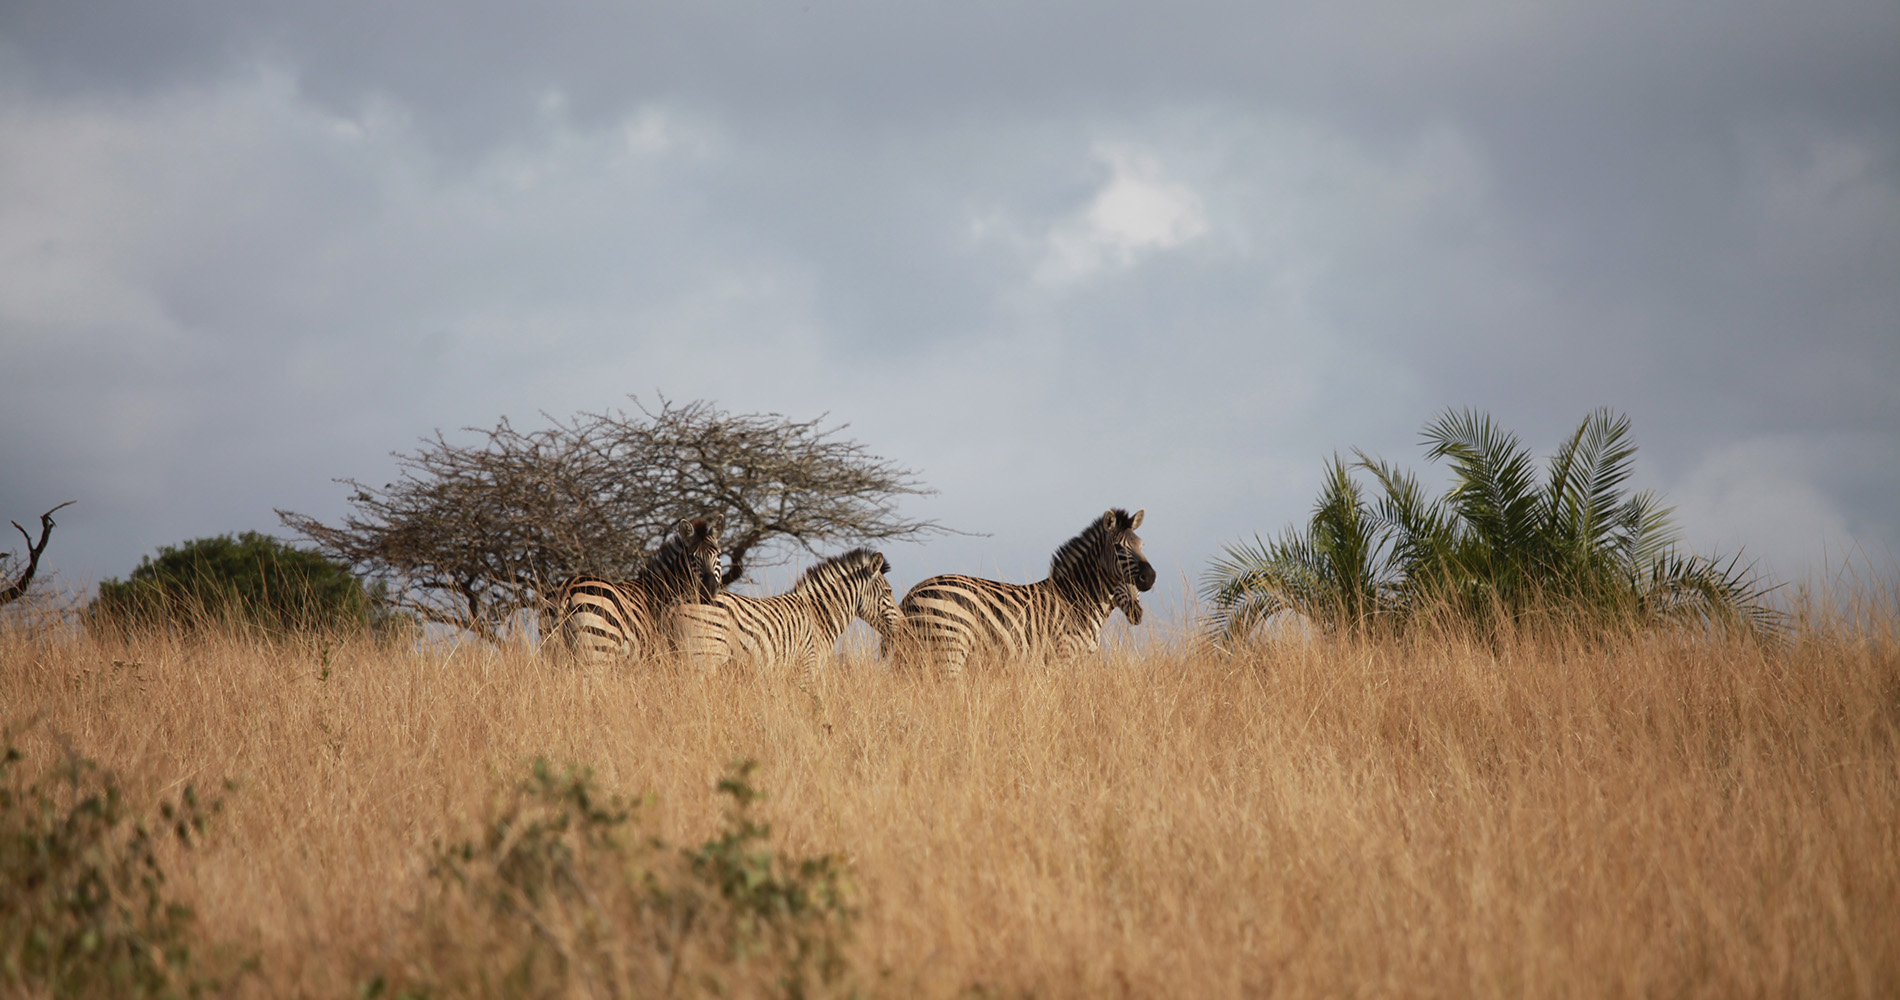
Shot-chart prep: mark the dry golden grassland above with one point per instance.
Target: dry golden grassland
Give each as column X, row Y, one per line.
column 1537, row 817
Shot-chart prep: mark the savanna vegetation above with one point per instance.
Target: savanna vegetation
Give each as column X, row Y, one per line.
column 1536, row 810
column 1510, row 742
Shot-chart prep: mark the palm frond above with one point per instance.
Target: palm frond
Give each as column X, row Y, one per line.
column 1333, row 573
column 1249, row 584
column 1586, row 477
column 1494, row 494
column 1726, row 593
column 1559, row 494
column 1424, row 534
column 1346, row 538
column 1605, row 465
column 1644, row 529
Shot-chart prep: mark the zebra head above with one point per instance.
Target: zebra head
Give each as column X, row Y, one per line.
column 878, row 604
column 855, row 585
column 1133, row 572
column 1105, row 562
column 686, row 568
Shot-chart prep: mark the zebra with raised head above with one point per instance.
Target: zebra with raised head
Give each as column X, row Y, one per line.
column 600, row 619
column 948, row 618
column 796, row 628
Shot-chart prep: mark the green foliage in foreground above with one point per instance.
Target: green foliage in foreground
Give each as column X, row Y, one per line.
column 1500, row 544
column 250, row 579
column 84, row 909
column 560, row 895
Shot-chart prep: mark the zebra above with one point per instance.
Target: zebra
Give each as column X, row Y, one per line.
column 796, row 628
column 947, row 618
column 601, row 619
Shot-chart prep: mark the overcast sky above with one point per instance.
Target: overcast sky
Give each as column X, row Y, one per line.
column 1056, row 257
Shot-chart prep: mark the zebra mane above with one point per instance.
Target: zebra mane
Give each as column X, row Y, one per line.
column 1077, row 553
column 840, row 567
column 673, row 571
column 668, row 557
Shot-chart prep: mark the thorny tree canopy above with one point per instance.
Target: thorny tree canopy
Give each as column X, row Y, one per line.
column 471, row 533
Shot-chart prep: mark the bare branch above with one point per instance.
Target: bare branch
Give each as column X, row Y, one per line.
column 18, row 587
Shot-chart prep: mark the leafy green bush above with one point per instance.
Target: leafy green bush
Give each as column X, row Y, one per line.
column 1498, row 546
column 83, row 905
column 250, row 579
column 560, row 895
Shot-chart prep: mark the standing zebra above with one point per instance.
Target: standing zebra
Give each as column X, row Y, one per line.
column 947, row 618
column 604, row 619
column 796, row 628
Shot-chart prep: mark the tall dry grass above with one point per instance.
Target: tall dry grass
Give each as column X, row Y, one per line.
column 1536, row 816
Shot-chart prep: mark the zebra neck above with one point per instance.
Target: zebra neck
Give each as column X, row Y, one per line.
column 1088, row 593
column 1088, row 608
column 831, row 619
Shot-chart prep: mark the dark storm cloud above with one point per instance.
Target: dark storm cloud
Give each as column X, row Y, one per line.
column 1195, row 248
column 1553, row 69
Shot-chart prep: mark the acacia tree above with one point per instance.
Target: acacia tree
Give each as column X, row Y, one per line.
column 470, row 534
column 12, row 591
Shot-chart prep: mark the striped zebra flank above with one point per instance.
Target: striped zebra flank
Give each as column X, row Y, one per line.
column 795, row 629
column 600, row 619
column 950, row 618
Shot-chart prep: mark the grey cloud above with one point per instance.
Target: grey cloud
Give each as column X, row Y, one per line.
column 1620, row 63
column 303, row 235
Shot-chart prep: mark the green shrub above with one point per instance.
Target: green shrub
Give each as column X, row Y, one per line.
column 251, row 579
column 561, row 895
column 84, row 909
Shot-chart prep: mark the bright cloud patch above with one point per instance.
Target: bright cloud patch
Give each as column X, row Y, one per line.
column 1761, row 498
column 1138, row 211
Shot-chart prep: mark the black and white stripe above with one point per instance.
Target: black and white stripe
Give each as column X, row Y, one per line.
column 602, row 619
column 949, row 618
column 794, row 629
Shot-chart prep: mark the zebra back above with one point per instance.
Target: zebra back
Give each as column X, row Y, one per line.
column 796, row 628
column 601, row 619
column 949, row 617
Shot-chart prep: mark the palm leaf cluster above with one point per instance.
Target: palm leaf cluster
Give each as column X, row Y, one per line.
column 1502, row 542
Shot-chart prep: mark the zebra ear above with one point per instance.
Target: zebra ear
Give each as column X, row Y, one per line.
column 883, row 564
column 1111, row 521
column 1135, row 522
